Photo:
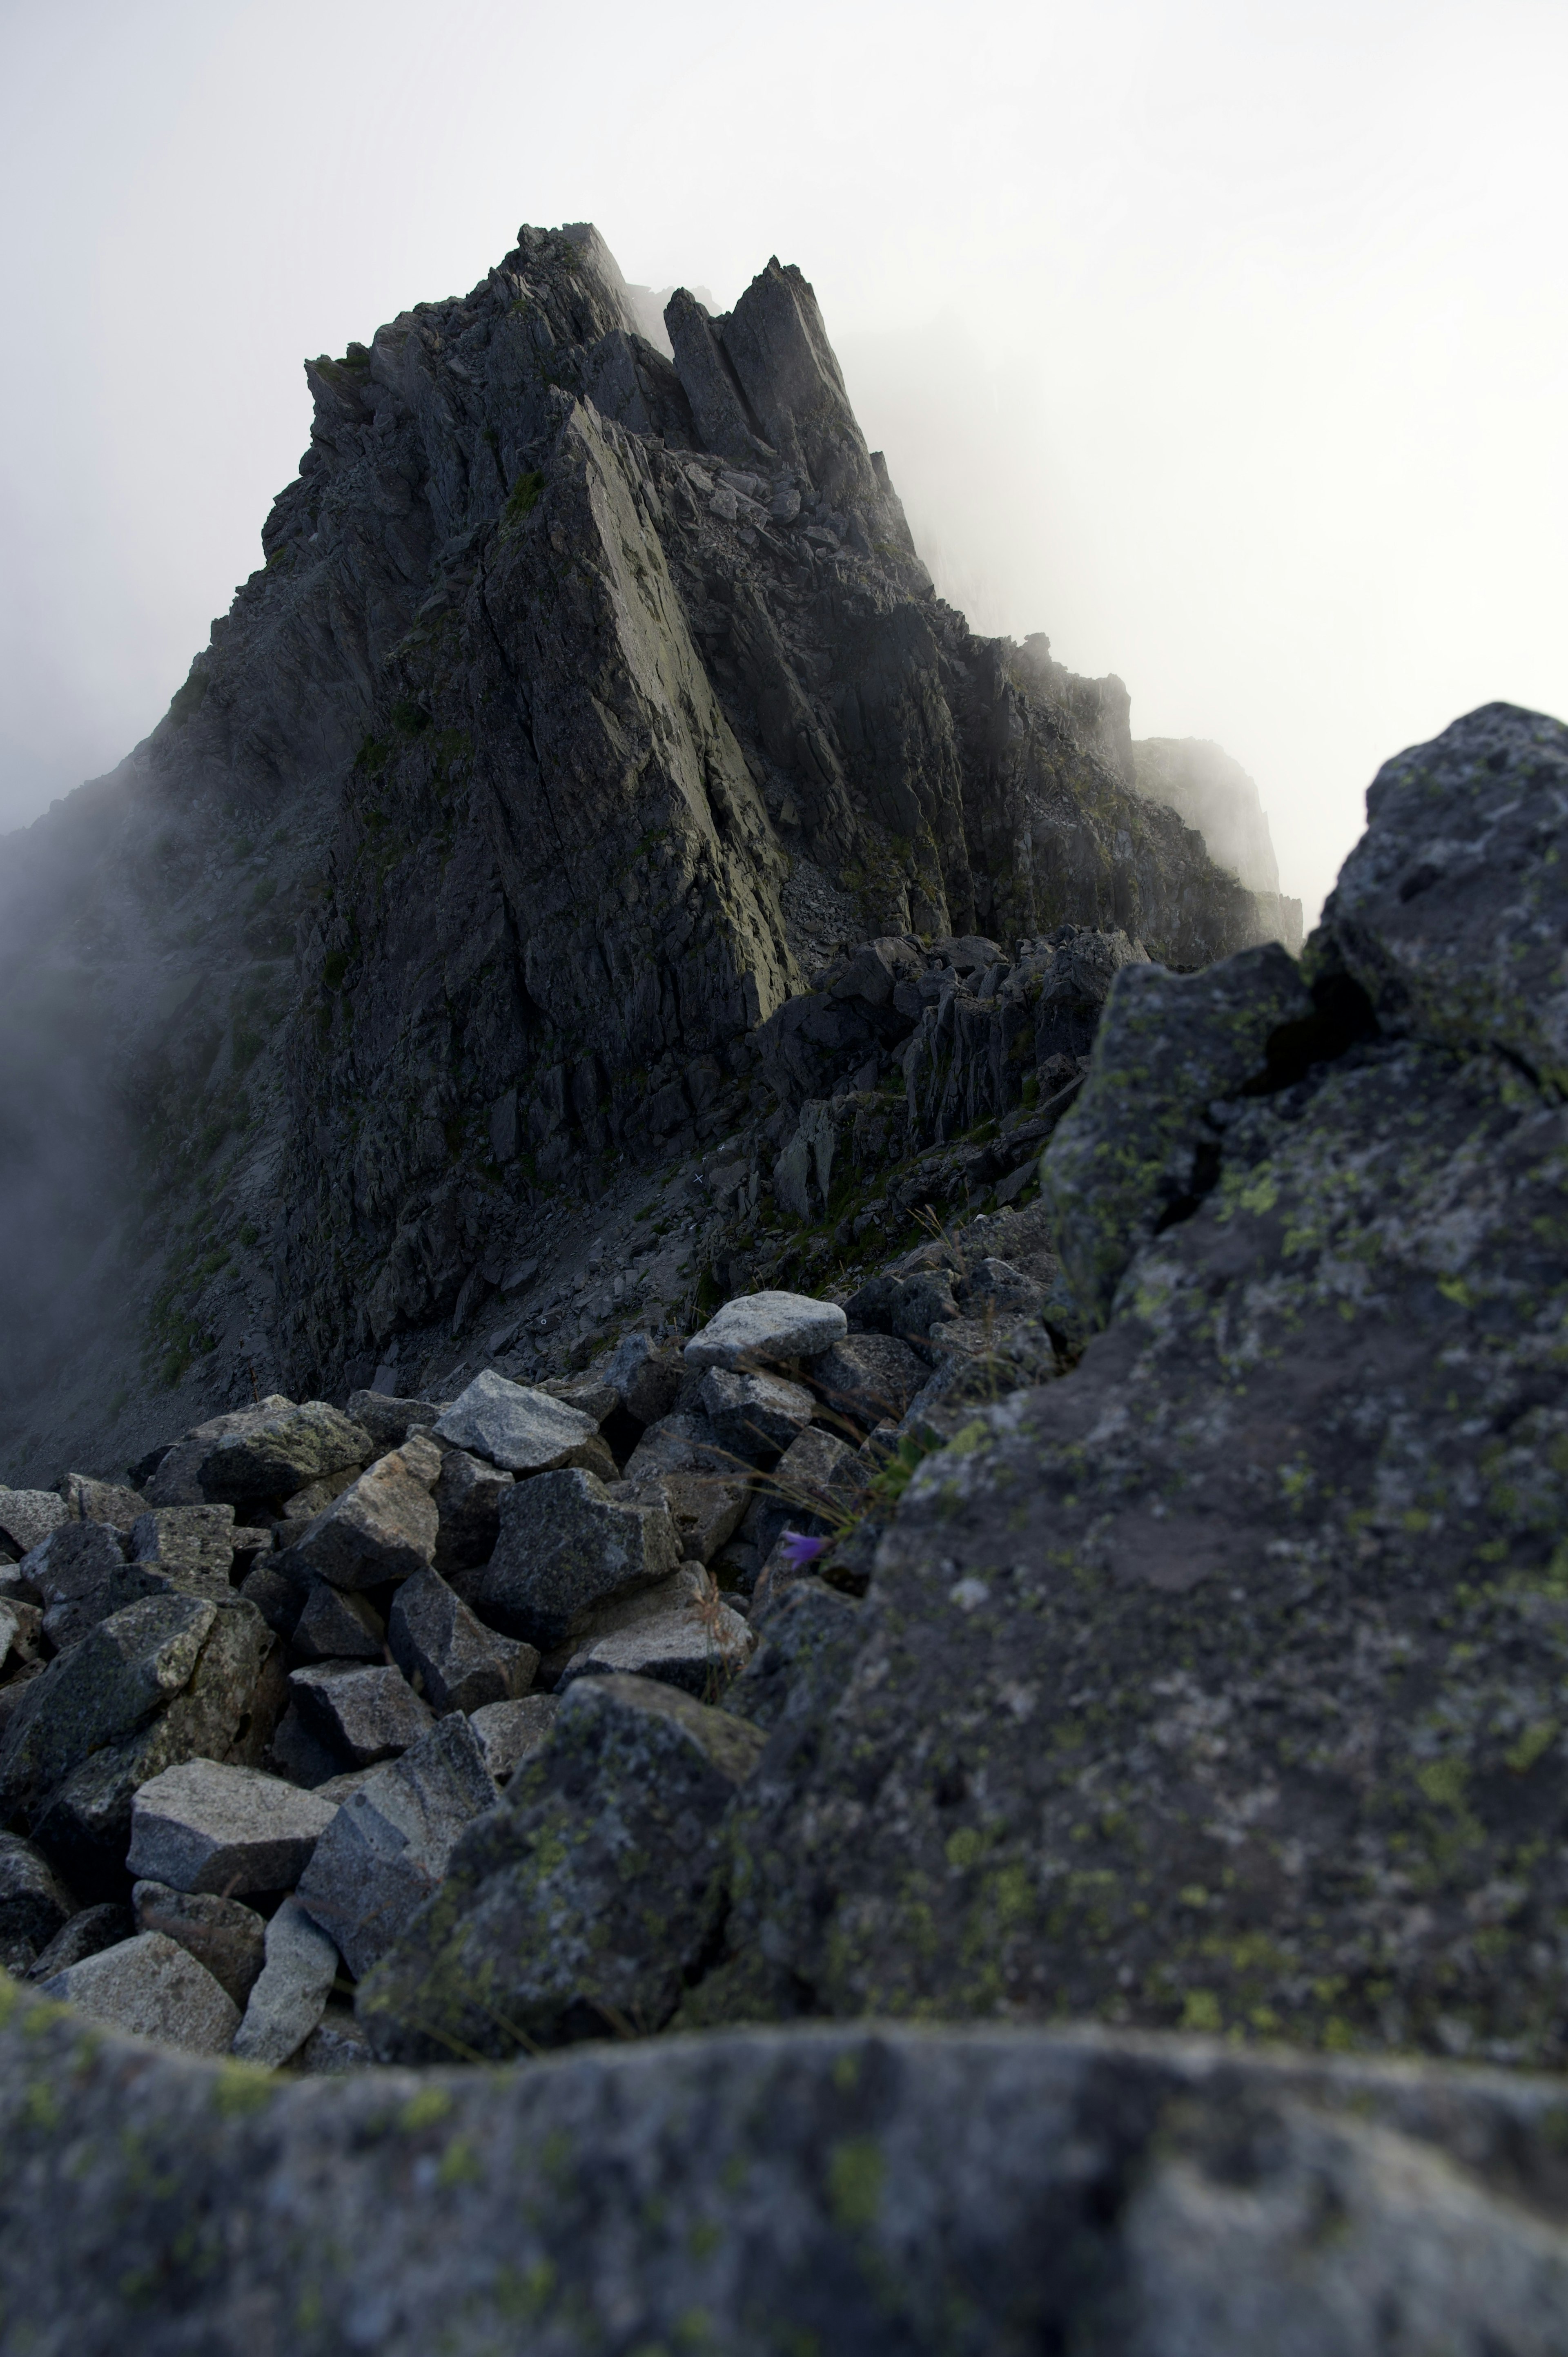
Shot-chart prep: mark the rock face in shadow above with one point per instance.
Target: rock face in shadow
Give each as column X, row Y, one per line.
column 578, row 693
column 1219, row 1684
column 864, row 2193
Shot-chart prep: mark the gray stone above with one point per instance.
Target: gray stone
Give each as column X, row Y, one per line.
column 819, row 1477
column 154, row 1988
column 519, row 1428
column 680, row 1632
column 278, row 1598
column 336, row 2044
column 21, row 1627
column 566, row 1546
column 589, row 1395
column 869, row 1378
column 575, row 1909
column 73, row 1565
column 225, row 1937
column 207, row 1825
column 337, row 1625
column 864, row 2190
column 766, row 1327
column 648, row 1377
column 389, row 1421
column 109, row 1502
column 382, row 1527
column 391, row 1841
column 1138, row 1150
column 191, row 1539
column 449, row 1655
column 27, row 1517
column 303, row 1505
column 290, row 1998
column 299, row 1756
column 508, row 1731
column 89, row 1930
column 756, row 1416
column 175, row 1480
column 467, row 1498
column 99, row 1692
column 33, row 1903
column 280, row 1451
column 361, row 1715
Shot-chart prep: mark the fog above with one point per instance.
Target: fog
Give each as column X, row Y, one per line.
column 1225, row 344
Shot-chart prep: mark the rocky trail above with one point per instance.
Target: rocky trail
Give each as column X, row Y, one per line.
column 850, row 1631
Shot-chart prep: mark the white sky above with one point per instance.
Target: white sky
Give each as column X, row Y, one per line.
column 1226, row 343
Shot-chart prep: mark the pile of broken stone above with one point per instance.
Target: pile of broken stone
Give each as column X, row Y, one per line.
column 256, row 1708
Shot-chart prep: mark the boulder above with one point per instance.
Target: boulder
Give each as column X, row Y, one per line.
column 382, row 1527
column 88, row 1500
column 336, row 2044
column 391, row 1841
column 21, row 1631
column 279, row 1599
column 389, row 1421
column 647, row 1376
column 99, row 1692
column 508, row 1731
column 446, row 1653
column 519, row 1428
column 27, row 1517
column 467, row 1498
column 33, row 1903
column 870, row 1379
column 175, row 1479
column 195, row 1540
column 566, row 1546
column 766, row 1327
column 1139, row 1150
column 361, row 1715
column 152, row 1988
column 225, row 1937
column 755, row 1416
column 74, row 1562
column 680, row 1632
column 575, row 1909
column 290, row 1996
column 337, row 1625
column 279, row 1451
column 205, row 1825
column 89, row 1930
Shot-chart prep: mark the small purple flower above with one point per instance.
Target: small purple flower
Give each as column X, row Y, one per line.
column 800, row 1550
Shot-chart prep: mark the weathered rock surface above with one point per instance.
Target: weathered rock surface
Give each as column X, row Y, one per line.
column 755, row 1416
column 517, row 1428
column 27, row 1517
column 362, row 1715
column 277, row 1452
column 290, row 1996
column 566, row 1548
column 227, row 1939
column 388, row 1420
column 390, row 1844
column 449, row 1655
column 204, row 1825
column 681, row 1633
column 576, row 1907
column 381, row 1527
column 467, row 1496
column 508, row 1731
column 195, row 1540
column 90, row 1930
column 335, row 1624
column 33, row 1903
column 765, row 1328
column 884, row 2190
column 870, row 1379
column 154, row 1988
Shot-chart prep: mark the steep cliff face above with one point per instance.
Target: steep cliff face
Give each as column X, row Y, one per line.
column 585, row 702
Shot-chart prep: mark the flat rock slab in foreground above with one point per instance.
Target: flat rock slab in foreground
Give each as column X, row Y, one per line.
column 858, row 2192
column 766, row 1327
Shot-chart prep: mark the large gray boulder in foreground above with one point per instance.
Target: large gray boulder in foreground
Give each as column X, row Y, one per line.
column 567, row 1547
column 859, row 2191
column 766, row 1327
column 154, row 1988
column 204, row 1825
column 517, row 1428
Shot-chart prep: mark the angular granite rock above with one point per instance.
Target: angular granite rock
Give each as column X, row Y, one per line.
column 89, row 1930
column 576, row 1908
column 277, row 1452
column 88, row 1500
column 290, row 1996
column 869, row 1378
column 1138, row 1150
column 227, row 1939
column 335, row 1624
column 391, row 1841
column 517, row 1428
column 204, row 1825
column 449, row 1655
column 681, row 1633
column 755, row 1416
column 382, row 1527
column 152, row 1988
column 766, row 1327
column 27, row 1517
column 566, row 1546
column 389, row 1421
column 33, row 1903
column 191, row 1539
column 100, row 1692
column 467, row 1498
column 362, row 1715
column 508, row 1731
